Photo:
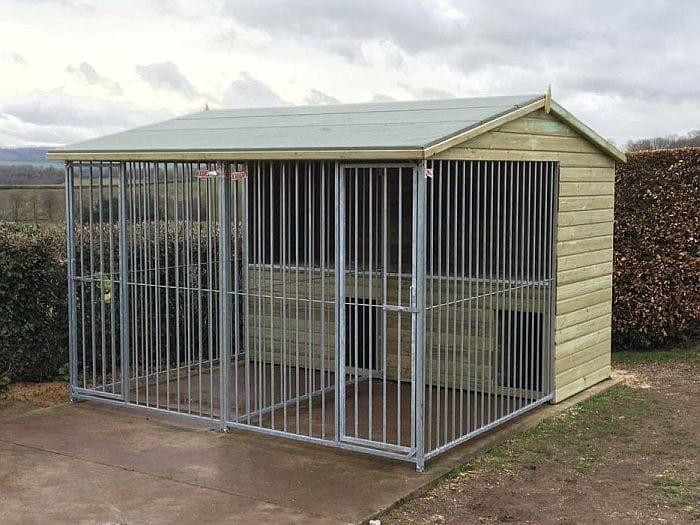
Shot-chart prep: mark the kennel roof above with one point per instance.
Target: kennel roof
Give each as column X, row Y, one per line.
column 388, row 130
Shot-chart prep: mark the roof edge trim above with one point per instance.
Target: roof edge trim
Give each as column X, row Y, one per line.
column 587, row 132
column 233, row 155
column 480, row 129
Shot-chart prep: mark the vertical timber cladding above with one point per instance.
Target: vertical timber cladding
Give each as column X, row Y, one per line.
column 488, row 293
column 584, row 238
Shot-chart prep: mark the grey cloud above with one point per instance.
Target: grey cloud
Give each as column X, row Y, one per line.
column 15, row 58
column 316, row 98
column 381, row 97
column 58, row 118
column 414, row 28
column 615, row 48
column 166, row 75
column 247, row 91
column 427, row 92
column 87, row 74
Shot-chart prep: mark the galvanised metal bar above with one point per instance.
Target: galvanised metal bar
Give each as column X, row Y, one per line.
column 340, row 318
column 72, row 292
column 124, row 322
column 418, row 314
column 224, row 294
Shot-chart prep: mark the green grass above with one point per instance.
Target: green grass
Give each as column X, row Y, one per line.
column 681, row 494
column 569, row 438
column 686, row 354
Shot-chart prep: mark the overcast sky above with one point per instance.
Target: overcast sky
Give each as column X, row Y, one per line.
column 74, row 69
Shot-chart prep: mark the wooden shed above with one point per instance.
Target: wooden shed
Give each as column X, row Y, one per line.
column 390, row 278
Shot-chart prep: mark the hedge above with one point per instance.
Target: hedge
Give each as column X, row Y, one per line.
column 33, row 306
column 656, row 277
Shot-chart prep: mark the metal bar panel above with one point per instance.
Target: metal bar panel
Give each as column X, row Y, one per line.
column 224, row 295
column 71, row 263
column 418, row 316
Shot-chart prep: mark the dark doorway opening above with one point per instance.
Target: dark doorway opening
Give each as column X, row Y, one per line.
column 362, row 342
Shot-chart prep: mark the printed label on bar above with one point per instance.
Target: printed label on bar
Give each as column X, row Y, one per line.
column 237, row 175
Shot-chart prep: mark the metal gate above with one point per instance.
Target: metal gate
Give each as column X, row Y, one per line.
column 376, row 288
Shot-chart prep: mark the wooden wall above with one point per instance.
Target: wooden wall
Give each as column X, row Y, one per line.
column 584, row 238
column 314, row 339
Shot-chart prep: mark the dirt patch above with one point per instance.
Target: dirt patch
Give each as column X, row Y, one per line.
column 629, row 455
column 35, row 395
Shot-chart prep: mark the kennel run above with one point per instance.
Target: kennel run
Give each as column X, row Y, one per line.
column 387, row 278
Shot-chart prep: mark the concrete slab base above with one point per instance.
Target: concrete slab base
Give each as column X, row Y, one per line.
column 91, row 463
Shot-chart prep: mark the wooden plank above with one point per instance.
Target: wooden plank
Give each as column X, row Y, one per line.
column 575, row 218
column 581, row 301
column 582, row 370
column 588, row 258
column 569, row 291
column 523, row 141
column 577, row 316
column 570, row 174
column 233, row 155
column 579, row 189
column 584, row 160
column 565, row 391
column 538, row 126
column 583, row 328
column 586, row 341
column 580, row 246
column 586, row 202
column 576, row 359
column 584, row 273
column 584, row 231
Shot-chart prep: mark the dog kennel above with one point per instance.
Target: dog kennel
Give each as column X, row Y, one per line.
column 386, row 278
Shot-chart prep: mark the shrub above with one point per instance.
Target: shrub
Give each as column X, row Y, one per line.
column 33, row 303
column 656, row 277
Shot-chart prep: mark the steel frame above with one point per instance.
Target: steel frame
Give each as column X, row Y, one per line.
column 392, row 308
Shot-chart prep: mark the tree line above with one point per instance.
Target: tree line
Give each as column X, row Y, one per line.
column 688, row 140
column 24, row 174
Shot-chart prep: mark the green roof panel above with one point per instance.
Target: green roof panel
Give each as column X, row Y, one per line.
column 386, row 125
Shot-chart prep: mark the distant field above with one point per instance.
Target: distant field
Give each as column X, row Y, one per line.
column 34, row 204
column 46, row 203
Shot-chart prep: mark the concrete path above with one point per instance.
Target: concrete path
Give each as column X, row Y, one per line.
column 91, row 463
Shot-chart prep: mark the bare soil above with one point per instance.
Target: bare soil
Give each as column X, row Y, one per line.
column 20, row 397
column 629, row 455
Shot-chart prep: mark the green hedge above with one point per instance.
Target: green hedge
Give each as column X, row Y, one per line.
column 33, row 303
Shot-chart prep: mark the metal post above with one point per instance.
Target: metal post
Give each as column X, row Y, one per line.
column 72, row 293
column 123, row 283
column 339, row 302
column 418, row 308
column 224, row 293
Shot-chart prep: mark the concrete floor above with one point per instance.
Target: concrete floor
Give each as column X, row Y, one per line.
column 91, row 463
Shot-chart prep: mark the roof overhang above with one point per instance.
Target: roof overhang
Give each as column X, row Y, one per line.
column 236, row 155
